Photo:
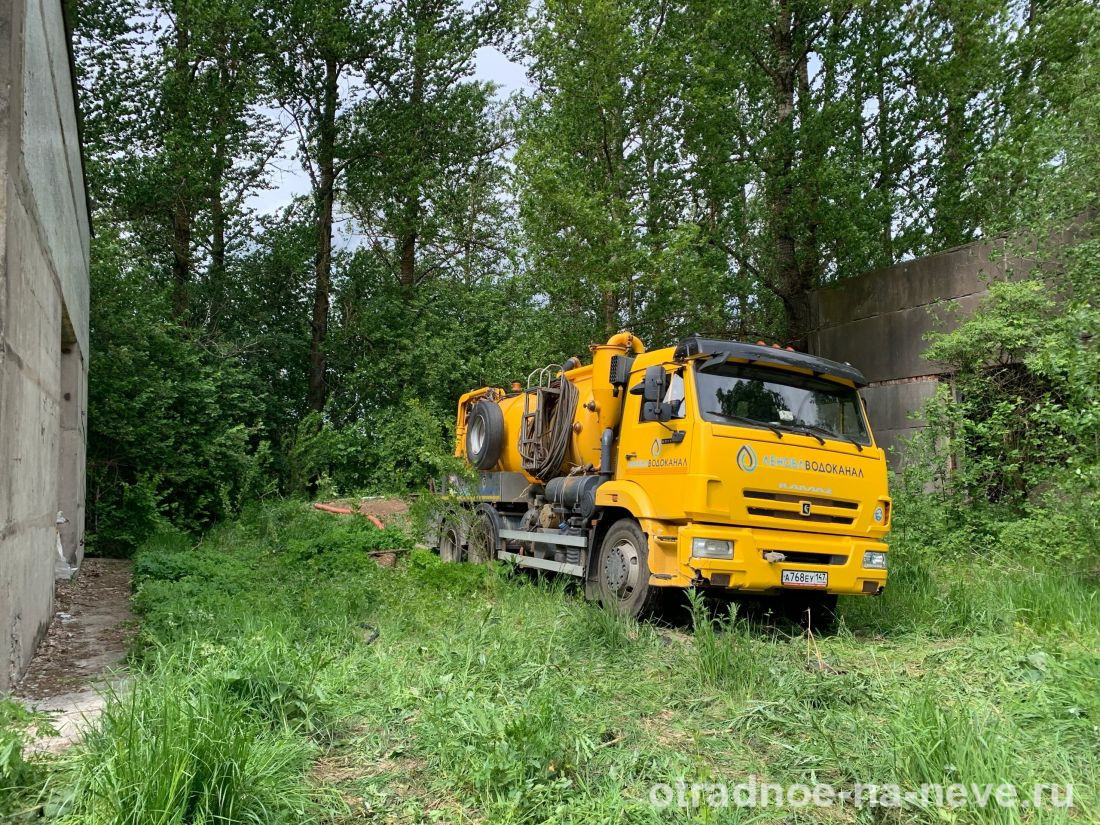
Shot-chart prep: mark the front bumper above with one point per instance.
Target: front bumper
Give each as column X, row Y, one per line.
column 839, row 556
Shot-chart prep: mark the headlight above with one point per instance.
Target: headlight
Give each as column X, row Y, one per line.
column 875, row 559
column 711, row 549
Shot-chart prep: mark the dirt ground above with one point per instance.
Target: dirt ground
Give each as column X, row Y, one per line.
column 83, row 650
column 384, row 509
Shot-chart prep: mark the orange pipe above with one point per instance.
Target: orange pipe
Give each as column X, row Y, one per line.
column 347, row 511
column 332, row 508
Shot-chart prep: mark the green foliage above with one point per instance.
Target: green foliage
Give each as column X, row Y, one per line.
column 399, row 453
column 1010, row 463
column 1018, row 428
column 696, row 168
column 172, row 425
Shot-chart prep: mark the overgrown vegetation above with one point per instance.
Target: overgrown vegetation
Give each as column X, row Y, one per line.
column 282, row 676
column 669, row 169
column 20, row 778
column 673, row 169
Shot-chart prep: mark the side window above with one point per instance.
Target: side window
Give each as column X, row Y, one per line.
column 675, row 394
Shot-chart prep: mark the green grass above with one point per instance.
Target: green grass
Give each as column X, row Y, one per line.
column 282, row 676
column 20, row 778
column 183, row 746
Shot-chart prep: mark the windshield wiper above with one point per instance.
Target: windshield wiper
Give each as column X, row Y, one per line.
column 813, row 429
column 752, row 422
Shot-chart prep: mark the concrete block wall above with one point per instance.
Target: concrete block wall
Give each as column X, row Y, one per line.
column 878, row 322
column 44, row 233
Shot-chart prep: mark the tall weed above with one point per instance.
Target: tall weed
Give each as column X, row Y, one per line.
column 180, row 748
column 724, row 654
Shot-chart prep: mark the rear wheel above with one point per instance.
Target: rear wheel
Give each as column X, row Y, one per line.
column 481, row 543
column 622, row 570
column 452, row 542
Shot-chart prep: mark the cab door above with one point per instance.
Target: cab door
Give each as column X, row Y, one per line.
column 655, row 454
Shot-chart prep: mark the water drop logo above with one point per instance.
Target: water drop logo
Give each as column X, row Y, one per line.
column 746, row 459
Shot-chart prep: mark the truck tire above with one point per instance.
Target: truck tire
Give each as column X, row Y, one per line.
column 484, row 435
column 484, row 535
column 452, row 541
column 622, row 570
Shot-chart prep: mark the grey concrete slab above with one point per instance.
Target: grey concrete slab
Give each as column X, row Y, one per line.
column 44, row 236
column 881, row 321
column 897, row 406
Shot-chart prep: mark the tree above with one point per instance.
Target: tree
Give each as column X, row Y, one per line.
column 174, row 136
column 313, row 47
column 797, row 141
column 426, row 183
column 960, row 82
column 171, row 423
column 598, row 192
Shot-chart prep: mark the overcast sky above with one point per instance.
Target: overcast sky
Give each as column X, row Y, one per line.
column 288, row 179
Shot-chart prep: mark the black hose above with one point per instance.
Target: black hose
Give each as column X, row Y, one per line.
column 559, row 433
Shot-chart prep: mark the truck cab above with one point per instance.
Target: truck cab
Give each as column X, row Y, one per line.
column 719, row 465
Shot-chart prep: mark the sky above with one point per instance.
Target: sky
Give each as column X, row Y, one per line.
column 288, row 179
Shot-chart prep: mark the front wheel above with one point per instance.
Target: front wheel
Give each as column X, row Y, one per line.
column 622, row 570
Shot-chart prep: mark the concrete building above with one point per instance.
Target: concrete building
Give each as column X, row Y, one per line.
column 43, row 324
column 877, row 322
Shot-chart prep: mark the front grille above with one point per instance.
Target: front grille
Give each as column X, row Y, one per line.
column 798, row 557
column 788, row 506
column 795, row 515
column 796, row 499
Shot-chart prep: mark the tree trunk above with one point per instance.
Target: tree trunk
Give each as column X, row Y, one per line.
column 790, row 281
column 215, row 301
column 180, row 208
column 217, row 184
column 407, row 275
column 610, row 312
column 326, row 170
column 950, row 223
column 181, row 257
column 885, row 182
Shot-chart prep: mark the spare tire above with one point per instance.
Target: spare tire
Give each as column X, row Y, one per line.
column 484, row 435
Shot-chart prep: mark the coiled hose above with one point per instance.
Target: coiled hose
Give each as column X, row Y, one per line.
column 555, row 441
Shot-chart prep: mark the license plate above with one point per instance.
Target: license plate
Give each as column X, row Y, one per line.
column 805, row 578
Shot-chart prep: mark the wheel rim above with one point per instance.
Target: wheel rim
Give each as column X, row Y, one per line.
column 621, row 566
column 477, row 436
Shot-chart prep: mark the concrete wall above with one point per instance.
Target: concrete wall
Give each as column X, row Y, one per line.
column 877, row 322
column 44, row 235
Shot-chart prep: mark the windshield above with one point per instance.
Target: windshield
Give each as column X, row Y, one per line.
column 777, row 399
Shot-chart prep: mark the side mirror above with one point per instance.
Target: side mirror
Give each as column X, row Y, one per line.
column 652, row 389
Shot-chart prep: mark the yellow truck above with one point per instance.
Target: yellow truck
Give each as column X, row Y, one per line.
column 732, row 467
